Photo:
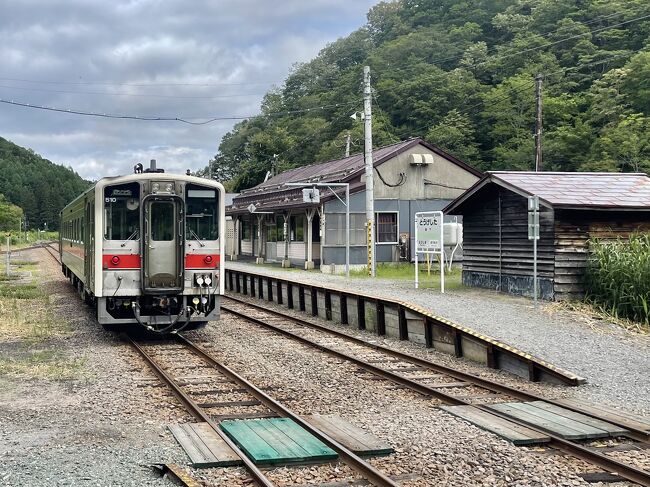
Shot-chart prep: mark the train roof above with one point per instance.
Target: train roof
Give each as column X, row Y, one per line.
column 149, row 176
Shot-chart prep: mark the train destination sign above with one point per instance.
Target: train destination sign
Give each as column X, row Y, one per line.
column 428, row 232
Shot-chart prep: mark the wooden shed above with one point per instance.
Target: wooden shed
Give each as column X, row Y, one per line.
column 573, row 208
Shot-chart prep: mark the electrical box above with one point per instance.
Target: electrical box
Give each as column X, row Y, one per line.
column 453, row 234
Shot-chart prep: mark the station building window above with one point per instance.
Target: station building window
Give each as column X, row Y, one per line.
column 386, row 227
column 335, row 229
column 297, row 228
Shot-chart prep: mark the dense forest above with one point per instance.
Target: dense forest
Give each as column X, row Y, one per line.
column 38, row 186
column 460, row 74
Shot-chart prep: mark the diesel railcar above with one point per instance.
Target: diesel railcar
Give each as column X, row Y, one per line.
column 147, row 249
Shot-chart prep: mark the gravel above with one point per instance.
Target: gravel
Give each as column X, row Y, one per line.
column 614, row 361
column 103, row 428
column 439, row 448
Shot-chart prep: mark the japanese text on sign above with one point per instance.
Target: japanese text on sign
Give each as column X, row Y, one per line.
column 429, row 233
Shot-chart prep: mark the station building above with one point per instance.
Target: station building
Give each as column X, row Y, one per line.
column 273, row 223
column 574, row 207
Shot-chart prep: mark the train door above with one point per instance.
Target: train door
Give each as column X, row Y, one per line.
column 89, row 245
column 163, row 245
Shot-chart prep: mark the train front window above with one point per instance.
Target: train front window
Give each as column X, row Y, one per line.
column 201, row 213
column 122, row 212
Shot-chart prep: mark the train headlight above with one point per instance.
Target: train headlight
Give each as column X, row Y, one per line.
column 207, row 280
column 169, row 188
column 155, row 187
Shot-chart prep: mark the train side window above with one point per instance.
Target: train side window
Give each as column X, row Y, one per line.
column 162, row 221
column 122, row 212
column 202, row 214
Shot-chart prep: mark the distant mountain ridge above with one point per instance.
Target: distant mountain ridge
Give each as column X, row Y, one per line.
column 40, row 187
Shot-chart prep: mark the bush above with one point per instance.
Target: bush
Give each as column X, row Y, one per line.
column 618, row 277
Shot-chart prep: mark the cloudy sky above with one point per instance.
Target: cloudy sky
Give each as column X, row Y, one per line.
column 153, row 58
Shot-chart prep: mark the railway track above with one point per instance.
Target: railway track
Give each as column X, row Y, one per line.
column 445, row 385
column 173, row 360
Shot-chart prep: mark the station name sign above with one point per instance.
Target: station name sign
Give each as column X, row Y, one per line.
column 428, row 231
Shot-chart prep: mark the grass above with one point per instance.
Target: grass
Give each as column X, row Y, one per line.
column 618, row 277
column 29, row 332
column 406, row 272
column 41, row 364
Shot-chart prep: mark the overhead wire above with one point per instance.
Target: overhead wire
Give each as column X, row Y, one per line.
column 187, row 120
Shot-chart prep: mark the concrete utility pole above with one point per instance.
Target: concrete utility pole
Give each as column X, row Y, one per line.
column 538, row 122
column 347, row 145
column 370, row 183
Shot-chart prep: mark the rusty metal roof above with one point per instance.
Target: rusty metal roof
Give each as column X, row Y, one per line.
column 587, row 190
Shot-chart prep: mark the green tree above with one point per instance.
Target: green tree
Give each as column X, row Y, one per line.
column 10, row 216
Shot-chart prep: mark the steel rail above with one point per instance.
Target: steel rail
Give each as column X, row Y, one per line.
column 634, row 433
column 195, row 410
column 623, row 470
column 364, row 468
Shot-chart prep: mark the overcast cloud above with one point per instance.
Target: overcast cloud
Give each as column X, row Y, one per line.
column 240, row 48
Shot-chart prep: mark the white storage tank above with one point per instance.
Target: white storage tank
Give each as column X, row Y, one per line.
column 453, row 234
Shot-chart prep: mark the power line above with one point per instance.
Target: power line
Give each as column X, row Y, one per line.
column 142, row 95
column 187, row 120
column 141, row 85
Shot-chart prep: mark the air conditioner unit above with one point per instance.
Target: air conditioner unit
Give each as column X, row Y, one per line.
column 421, row 159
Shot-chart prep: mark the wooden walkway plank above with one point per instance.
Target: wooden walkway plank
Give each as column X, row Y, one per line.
column 276, row 441
column 516, row 434
column 612, row 429
column 359, row 441
column 558, row 425
column 631, row 420
column 204, row 446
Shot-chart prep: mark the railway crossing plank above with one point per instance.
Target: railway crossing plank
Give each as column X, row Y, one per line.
column 276, row 441
column 612, row 429
column 359, row 441
column 516, row 434
column 558, row 425
column 623, row 417
column 204, row 447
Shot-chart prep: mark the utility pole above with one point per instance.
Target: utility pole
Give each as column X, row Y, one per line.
column 538, row 122
column 370, row 183
column 347, row 145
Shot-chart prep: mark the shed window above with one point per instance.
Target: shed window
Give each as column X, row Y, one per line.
column 386, row 227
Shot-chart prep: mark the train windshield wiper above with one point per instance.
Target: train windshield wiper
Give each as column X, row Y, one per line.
column 196, row 237
column 131, row 237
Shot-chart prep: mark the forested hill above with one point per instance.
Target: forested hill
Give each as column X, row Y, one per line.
column 460, row 73
column 40, row 187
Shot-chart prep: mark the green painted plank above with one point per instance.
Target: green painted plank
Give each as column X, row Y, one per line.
column 282, row 443
column 249, row 442
column 612, row 429
column 309, row 442
column 276, row 440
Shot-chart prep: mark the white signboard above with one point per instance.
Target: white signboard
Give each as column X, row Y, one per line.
column 429, row 239
column 428, row 232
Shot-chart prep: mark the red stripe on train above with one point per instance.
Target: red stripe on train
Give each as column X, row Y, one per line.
column 121, row 261
column 202, row 261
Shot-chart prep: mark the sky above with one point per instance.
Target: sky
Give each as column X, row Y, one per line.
column 193, row 59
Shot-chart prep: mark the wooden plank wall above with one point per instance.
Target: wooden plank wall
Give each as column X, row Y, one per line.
column 573, row 229
column 495, row 238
